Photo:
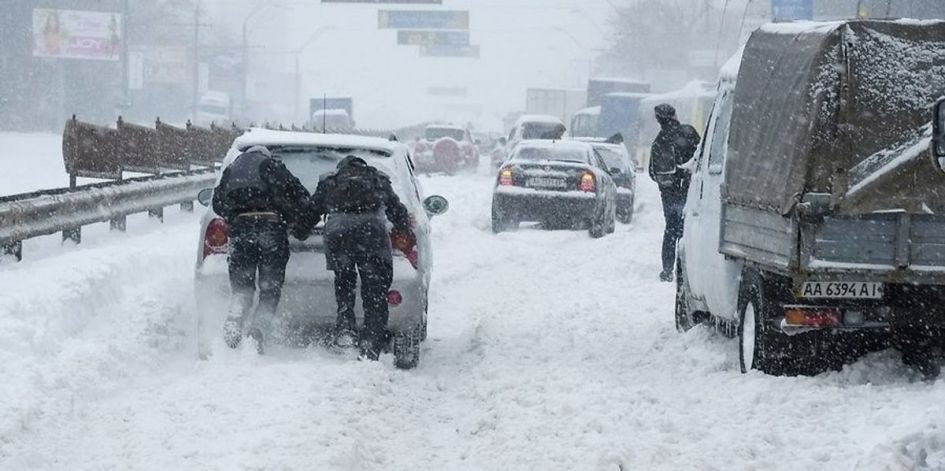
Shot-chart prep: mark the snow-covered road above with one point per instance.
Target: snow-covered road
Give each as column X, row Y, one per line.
column 548, row 350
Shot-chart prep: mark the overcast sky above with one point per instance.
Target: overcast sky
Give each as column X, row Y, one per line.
column 524, row 43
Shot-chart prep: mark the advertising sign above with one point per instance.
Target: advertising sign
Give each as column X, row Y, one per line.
column 789, row 10
column 72, row 34
column 430, row 38
column 450, row 51
column 422, row 19
column 166, row 64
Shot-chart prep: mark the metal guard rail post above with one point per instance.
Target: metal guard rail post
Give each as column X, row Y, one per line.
column 46, row 212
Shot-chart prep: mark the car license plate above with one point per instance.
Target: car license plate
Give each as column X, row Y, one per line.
column 842, row 290
column 545, row 183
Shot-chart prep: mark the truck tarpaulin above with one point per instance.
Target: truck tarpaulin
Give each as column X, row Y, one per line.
column 820, row 107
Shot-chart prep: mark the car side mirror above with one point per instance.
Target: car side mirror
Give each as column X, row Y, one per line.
column 938, row 135
column 205, row 196
column 436, row 205
column 615, row 171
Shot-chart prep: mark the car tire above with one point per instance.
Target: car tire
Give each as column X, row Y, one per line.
column 500, row 223
column 406, row 348
column 626, row 215
column 751, row 326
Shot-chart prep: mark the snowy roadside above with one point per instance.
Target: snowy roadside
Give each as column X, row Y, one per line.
column 548, row 350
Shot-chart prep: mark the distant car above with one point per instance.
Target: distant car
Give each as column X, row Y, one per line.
column 308, row 299
column 213, row 108
column 622, row 169
column 534, row 126
column 558, row 183
column 445, row 148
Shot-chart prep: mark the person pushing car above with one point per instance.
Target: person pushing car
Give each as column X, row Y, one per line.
column 261, row 201
column 355, row 199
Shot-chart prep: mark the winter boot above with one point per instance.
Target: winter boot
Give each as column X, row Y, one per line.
column 232, row 332
column 257, row 337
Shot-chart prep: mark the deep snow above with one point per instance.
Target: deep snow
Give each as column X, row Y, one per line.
column 547, row 350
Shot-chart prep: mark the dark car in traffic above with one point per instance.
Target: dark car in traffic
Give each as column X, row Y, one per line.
column 556, row 183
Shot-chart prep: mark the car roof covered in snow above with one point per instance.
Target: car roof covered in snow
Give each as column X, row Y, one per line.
column 547, row 144
column 446, row 126
column 538, row 118
column 331, row 112
column 592, row 111
column 267, row 137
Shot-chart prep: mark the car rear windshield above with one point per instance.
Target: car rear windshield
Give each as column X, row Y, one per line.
column 542, row 131
column 433, row 134
column 551, row 153
column 613, row 158
column 309, row 163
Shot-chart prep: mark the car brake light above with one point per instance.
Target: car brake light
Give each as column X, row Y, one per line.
column 812, row 316
column 216, row 238
column 394, row 298
column 406, row 243
column 505, row 177
column 588, row 182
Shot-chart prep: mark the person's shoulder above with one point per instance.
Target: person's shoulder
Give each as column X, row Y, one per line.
column 689, row 129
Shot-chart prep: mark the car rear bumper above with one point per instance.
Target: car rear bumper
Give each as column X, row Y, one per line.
column 523, row 204
column 308, row 293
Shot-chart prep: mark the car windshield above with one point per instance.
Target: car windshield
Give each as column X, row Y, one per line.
column 309, row 163
column 542, row 131
column 433, row 134
column 612, row 157
column 551, row 153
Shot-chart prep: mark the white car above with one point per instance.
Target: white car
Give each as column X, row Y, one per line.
column 534, row 127
column 308, row 299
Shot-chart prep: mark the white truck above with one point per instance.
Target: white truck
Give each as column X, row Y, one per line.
column 815, row 221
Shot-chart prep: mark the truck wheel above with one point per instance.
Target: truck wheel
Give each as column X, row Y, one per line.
column 406, row 349
column 752, row 333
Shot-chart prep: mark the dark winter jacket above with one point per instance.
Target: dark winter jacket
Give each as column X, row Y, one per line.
column 255, row 182
column 674, row 146
column 359, row 189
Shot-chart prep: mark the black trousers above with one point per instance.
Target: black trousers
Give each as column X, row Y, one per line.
column 257, row 247
column 360, row 246
column 674, row 203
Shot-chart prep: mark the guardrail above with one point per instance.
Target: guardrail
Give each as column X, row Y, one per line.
column 68, row 209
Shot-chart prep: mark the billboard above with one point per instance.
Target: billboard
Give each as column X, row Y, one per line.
column 430, row 38
column 469, row 51
column 73, row 34
column 422, row 19
column 789, row 10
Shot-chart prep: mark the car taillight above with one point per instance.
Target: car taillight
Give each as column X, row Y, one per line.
column 406, row 243
column 216, row 238
column 394, row 298
column 812, row 316
column 588, row 182
column 505, row 177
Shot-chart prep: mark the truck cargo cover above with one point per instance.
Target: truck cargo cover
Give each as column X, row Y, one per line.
column 816, row 103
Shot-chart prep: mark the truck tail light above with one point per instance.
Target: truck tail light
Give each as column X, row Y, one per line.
column 588, row 182
column 505, row 177
column 802, row 316
column 406, row 244
column 216, row 238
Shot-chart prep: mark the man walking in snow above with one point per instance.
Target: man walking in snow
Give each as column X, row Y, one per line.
column 674, row 146
column 356, row 198
column 260, row 200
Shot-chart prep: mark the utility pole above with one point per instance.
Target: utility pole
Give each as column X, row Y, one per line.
column 196, row 64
